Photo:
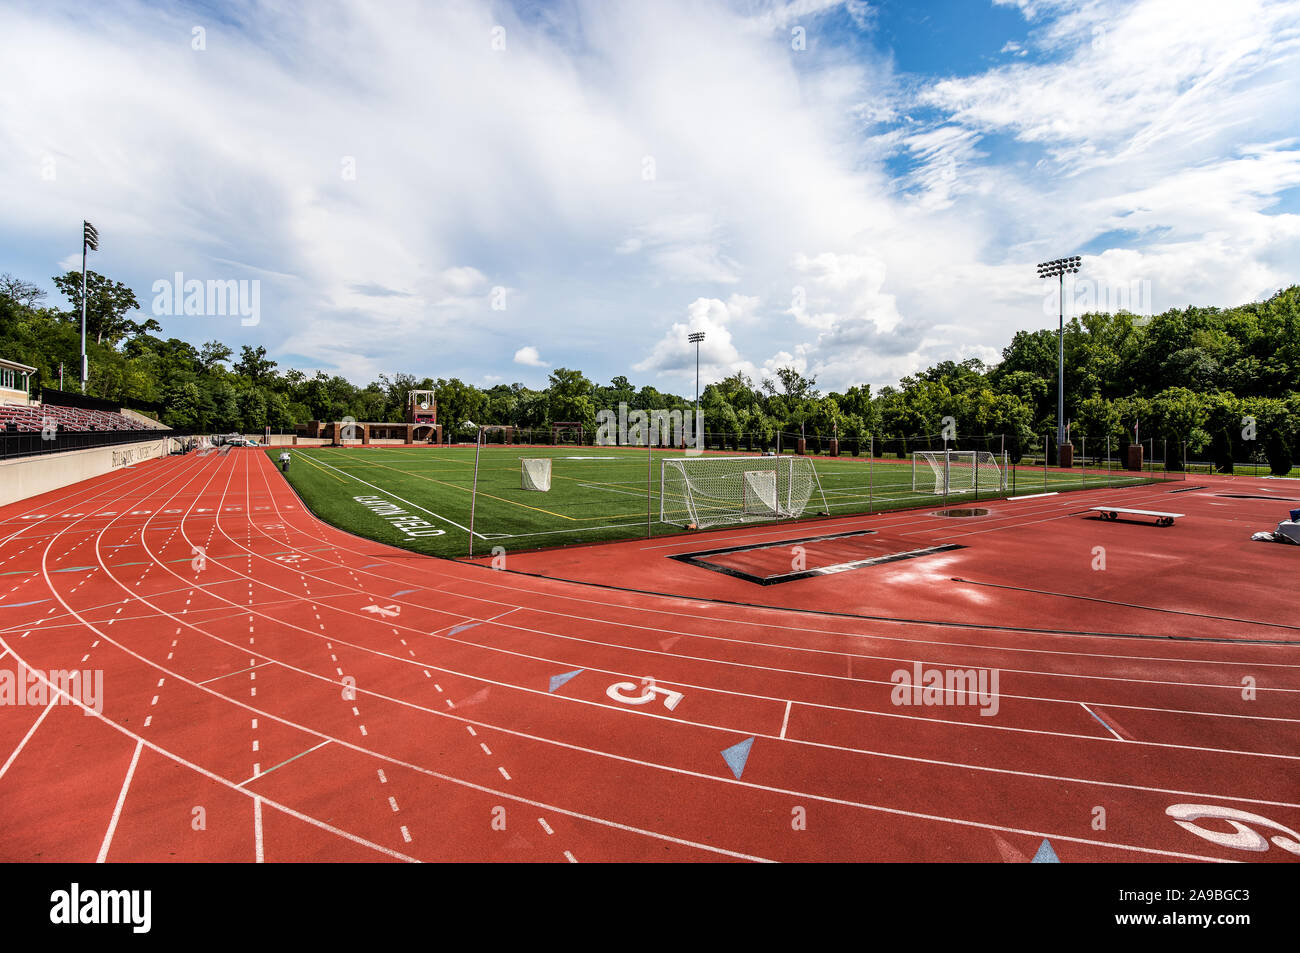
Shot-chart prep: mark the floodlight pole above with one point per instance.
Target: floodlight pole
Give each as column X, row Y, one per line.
column 1058, row 269
column 1060, row 364
column 695, row 338
column 89, row 239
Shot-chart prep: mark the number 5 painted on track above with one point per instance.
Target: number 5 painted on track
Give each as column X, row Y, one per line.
column 648, row 690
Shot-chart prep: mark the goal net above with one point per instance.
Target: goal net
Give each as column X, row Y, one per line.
column 956, row 471
column 710, row 491
column 536, row 473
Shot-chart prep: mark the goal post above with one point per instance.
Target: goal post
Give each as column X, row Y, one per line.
column 535, row 473
column 706, row 491
column 936, row 472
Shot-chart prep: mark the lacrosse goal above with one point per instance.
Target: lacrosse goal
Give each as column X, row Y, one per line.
column 709, row 491
column 956, row 471
column 535, row 473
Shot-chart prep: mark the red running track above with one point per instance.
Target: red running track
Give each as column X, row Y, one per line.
column 275, row 689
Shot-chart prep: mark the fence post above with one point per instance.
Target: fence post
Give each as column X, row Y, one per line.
column 871, row 472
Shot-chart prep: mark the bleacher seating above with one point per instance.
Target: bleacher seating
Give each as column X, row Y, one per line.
column 20, row 419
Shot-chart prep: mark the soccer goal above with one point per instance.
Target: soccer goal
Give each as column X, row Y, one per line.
column 710, row 491
column 535, row 473
column 956, row 471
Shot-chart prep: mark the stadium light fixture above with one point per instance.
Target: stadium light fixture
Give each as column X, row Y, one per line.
column 695, row 338
column 89, row 240
column 1058, row 269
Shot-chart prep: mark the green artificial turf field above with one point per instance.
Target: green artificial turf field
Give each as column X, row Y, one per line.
column 419, row 498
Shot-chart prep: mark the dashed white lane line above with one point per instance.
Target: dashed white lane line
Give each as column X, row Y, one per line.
column 546, row 827
column 503, row 772
column 569, row 855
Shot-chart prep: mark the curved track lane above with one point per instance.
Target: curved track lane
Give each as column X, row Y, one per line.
column 276, row 689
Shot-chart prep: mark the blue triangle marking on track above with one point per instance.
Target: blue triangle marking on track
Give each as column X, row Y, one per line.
column 558, row 680
column 371, row 565
column 404, row 592
column 1045, row 854
column 462, row 628
column 15, row 605
column 737, row 755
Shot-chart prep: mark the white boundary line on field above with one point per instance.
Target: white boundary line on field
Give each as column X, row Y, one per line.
column 398, row 498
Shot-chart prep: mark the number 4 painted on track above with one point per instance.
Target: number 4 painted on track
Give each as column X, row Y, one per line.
column 648, row 691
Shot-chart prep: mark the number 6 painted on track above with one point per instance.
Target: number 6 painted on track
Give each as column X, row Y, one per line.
column 648, row 690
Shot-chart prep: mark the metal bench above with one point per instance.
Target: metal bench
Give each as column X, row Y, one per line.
column 1113, row 512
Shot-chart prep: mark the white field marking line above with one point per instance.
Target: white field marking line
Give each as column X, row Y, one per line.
column 1108, row 727
column 397, row 701
column 30, row 731
column 867, row 712
column 1233, row 687
column 257, row 829
column 1070, row 701
column 1034, row 496
column 505, row 730
column 399, row 499
column 72, row 498
column 616, row 825
column 121, row 799
column 604, row 822
column 250, row 668
column 669, row 768
column 894, row 519
column 785, row 722
column 1070, row 504
column 777, row 610
column 204, row 772
column 594, row 486
column 1087, row 737
column 262, row 774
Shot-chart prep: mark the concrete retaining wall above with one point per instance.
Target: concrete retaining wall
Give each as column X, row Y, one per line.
column 25, row 477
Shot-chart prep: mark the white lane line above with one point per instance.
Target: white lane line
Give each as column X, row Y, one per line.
column 121, row 799
column 30, row 731
column 1103, row 723
column 546, row 827
column 786, row 720
column 257, row 829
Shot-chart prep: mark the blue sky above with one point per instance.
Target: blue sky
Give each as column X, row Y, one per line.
column 491, row 190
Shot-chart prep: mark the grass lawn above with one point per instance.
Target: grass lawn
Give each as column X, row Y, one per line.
column 418, row 498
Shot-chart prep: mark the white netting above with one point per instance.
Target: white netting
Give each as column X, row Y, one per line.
column 760, row 493
column 536, row 473
column 956, row 471
column 708, row 491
